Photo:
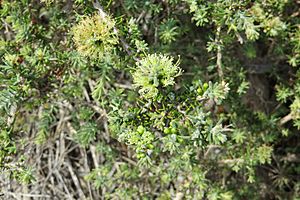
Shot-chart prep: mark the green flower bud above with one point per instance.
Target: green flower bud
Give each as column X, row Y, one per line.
column 200, row 91
column 150, row 146
column 140, row 155
column 205, row 86
column 140, row 129
column 173, row 130
column 167, row 130
column 180, row 140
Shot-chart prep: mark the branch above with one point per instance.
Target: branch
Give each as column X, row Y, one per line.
column 26, row 195
column 285, row 119
column 219, row 53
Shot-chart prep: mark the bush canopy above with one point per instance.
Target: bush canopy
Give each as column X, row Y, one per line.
column 150, row 99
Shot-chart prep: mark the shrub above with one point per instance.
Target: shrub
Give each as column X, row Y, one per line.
column 135, row 99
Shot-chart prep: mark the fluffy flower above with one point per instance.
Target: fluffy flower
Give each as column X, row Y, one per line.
column 154, row 72
column 94, row 36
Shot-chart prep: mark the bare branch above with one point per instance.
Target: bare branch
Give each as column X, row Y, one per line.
column 286, row 119
column 219, row 53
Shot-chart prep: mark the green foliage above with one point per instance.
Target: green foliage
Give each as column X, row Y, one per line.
column 168, row 31
column 295, row 107
column 264, row 154
column 171, row 99
column 86, row 134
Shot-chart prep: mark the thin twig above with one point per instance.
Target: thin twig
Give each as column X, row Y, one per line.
column 129, row 87
column 59, row 177
column 75, row 179
column 27, row 195
column 286, row 119
column 7, row 32
column 94, row 156
column 219, row 53
column 129, row 160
